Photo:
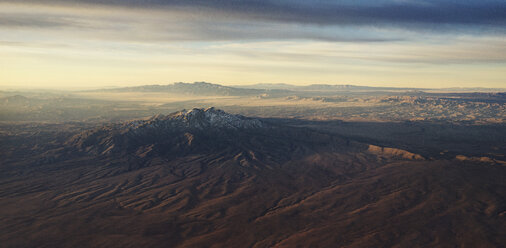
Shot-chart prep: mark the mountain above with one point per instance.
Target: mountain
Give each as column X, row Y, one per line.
column 207, row 178
column 209, row 89
column 203, row 131
column 178, row 132
column 197, row 88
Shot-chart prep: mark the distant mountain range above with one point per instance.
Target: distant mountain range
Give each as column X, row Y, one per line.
column 197, row 88
column 209, row 89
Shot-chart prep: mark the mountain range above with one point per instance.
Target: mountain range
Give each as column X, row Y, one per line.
column 197, row 88
column 207, row 178
column 209, row 89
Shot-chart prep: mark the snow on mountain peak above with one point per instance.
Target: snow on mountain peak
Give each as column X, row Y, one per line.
column 198, row 118
column 210, row 117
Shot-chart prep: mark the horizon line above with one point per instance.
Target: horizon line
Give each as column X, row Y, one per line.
column 243, row 86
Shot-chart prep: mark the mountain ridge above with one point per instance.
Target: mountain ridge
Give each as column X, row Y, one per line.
column 196, row 88
column 136, row 184
column 212, row 89
column 210, row 130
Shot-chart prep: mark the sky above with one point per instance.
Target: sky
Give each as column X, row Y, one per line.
column 67, row 44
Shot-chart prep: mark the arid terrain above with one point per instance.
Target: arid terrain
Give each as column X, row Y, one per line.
column 318, row 102
column 206, row 165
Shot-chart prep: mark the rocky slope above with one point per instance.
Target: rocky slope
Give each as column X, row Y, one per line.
column 205, row 178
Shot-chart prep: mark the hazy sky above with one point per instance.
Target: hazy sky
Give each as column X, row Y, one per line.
column 102, row 43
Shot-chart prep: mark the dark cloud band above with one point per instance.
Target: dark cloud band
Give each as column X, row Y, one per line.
column 487, row 13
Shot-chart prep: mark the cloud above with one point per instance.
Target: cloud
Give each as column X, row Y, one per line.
column 16, row 21
column 251, row 40
column 234, row 20
column 429, row 14
column 167, row 25
column 464, row 50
